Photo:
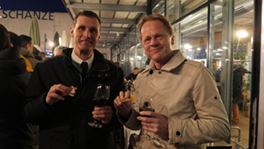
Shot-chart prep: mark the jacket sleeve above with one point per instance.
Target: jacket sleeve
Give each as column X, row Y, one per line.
column 35, row 109
column 211, row 123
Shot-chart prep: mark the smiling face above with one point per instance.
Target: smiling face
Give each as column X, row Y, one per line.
column 86, row 33
column 157, row 42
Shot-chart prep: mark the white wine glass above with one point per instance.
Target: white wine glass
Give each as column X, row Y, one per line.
column 101, row 96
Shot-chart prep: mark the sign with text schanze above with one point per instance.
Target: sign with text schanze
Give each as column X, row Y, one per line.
column 24, row 14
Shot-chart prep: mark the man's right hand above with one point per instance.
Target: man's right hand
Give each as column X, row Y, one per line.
column 123, row 108
column 56, row 93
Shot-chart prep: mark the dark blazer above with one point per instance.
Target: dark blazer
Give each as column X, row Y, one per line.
column 64, row 124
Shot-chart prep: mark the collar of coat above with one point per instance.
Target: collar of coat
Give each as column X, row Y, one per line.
column 99, row 63
column 26, row 53
column 176, row 60
column 11, row 62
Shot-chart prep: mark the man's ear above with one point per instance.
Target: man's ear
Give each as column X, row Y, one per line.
column 27, row 45
column 172, row 40
column 100, row 35
column 72, row 31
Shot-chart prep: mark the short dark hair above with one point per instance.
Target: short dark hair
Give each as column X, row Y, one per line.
column 15, row 40
column 136, row 68
column 89, row 14
column 25, row 40
column 4, row 38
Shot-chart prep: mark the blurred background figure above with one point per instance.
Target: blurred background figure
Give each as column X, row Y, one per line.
column 16, row 42
column 14, row 132
column 133, row 76
column 36, row 51
column 130, row 79
column 238, row 72
column 27, row 50
column 42, row 55
column 58, row 50
column 202, row 62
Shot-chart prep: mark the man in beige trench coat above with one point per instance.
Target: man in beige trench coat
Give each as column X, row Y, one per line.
column 188, row 108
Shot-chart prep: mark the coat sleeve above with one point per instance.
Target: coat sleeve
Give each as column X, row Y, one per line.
column 211, row 123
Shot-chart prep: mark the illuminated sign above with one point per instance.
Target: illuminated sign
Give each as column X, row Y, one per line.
column 20, row 14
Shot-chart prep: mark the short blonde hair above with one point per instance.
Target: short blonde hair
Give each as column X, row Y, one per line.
column 153, row 17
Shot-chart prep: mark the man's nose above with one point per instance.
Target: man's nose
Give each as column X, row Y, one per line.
column 87, row 33
column 153, row 41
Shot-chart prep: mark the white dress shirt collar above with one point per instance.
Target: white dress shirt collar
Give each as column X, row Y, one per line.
column 76, row 59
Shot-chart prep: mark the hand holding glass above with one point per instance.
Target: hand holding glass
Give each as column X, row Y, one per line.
column 147, row 104
column 101, row 96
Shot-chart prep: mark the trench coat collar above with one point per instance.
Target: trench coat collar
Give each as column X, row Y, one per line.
column 176, row 60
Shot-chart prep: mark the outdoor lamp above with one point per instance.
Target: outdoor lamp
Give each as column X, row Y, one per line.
column 51, row 43
column 187, row 46
column 241, row 34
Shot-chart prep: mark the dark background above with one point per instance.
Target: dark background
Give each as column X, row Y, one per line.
column 33, row 5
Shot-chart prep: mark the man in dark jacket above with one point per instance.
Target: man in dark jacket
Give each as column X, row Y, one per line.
column 63, row 119
column 14, row 132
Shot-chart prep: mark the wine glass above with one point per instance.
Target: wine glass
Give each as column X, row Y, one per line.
column 101, row 95
column 147, row 104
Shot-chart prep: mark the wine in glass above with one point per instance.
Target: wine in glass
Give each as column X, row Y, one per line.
column 101, row 96
column 147, row 104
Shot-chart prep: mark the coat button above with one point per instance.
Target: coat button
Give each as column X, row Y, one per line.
column 99, row 76
column 178, row 133
column 159, row 72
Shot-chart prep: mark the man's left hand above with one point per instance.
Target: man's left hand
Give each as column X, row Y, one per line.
column 155, row 123
column 103, row 114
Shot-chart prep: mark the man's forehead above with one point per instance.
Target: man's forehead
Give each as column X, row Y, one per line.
column 82, row 18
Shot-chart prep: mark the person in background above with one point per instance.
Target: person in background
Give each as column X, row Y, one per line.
column 14, row 132
column 58, row 50
column 133, row 76
column 63, row 117
column 238, row 73
column 42, row 55
column 15, row 41
column 36, row 51
column 130, row 79
column 188, row 108
column 27, row 50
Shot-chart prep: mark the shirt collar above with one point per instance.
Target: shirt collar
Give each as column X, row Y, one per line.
column 76, row 59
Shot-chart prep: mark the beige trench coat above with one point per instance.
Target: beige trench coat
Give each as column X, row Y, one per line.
column 184, row 91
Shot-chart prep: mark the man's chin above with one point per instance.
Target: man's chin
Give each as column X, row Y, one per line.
column 86, row 49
